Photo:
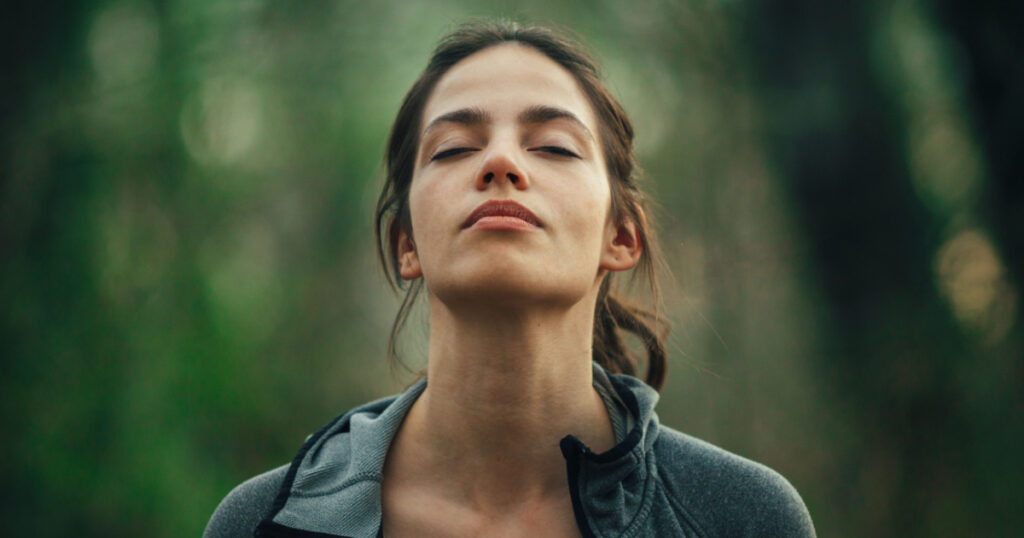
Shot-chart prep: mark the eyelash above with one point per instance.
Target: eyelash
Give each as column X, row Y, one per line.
column 449, row 153
column 558, row 150
column 554, row 150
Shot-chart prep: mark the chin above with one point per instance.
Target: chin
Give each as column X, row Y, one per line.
column 506, row 289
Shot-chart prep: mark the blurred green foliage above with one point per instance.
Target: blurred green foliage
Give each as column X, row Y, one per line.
column 189, row 282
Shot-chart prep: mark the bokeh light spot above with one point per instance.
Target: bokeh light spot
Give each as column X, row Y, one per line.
column 123, row 44
column 221, row 121
column 972, row 278
column 945, row 167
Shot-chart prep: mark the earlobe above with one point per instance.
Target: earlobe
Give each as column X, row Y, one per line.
column 405, row 253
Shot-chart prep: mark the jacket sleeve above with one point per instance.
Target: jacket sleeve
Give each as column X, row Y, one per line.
column 727, row 495
column 777, row 508
column 238, row 514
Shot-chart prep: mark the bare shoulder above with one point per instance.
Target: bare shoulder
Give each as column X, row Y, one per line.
column 727, row 494
column 245, row 506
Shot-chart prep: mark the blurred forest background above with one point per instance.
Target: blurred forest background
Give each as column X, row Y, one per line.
column 189, row 285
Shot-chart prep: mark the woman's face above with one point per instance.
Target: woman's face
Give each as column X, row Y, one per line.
column 509, row 126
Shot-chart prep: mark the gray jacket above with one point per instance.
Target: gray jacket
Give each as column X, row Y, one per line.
column 655, row 482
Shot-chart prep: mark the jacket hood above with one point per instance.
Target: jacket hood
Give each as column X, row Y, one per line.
column 332, row 487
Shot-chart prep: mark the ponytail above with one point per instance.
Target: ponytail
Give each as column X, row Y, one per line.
column 613, row 315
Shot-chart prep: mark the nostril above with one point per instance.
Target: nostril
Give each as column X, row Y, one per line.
column 488, row 177
column 512, row 177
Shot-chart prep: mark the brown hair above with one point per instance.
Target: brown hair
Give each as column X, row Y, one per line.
column 612, row 313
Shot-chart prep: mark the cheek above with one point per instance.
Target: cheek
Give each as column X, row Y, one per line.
column 421, row 194
column 590, row 208
column 427, row 221
column 586, row 228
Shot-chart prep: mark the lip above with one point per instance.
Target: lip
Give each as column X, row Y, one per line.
column 502, row 214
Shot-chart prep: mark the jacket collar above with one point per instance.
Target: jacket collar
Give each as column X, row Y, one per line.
column 611, row 491
column 332, row 487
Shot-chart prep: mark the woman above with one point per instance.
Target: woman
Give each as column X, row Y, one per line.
column 510, row 198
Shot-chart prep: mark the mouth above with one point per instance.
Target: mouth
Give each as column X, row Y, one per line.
column 501, row 210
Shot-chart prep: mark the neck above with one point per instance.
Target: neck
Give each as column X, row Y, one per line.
column 503, row 390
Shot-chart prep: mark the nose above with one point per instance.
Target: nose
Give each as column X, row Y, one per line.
column 501, row 166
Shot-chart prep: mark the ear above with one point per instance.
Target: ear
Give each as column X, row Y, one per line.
column 622, row 245
column 405, row 253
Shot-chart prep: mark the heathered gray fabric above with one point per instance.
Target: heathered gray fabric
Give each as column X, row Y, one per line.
column 655, row 482
column 239, row 513
column 622, row 419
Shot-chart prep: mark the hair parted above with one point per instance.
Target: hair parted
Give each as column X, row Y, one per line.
column 612, row 314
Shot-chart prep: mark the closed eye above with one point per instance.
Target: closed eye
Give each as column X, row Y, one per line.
column 450, row 153
column 557, row 150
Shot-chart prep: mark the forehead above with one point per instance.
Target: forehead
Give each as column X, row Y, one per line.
column 504, row 80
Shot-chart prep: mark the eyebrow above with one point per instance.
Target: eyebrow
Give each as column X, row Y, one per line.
column 534, row 114
column 544, row 114
column 462, row 116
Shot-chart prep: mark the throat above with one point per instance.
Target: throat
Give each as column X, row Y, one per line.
column 502, row 392
column 493, row 454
